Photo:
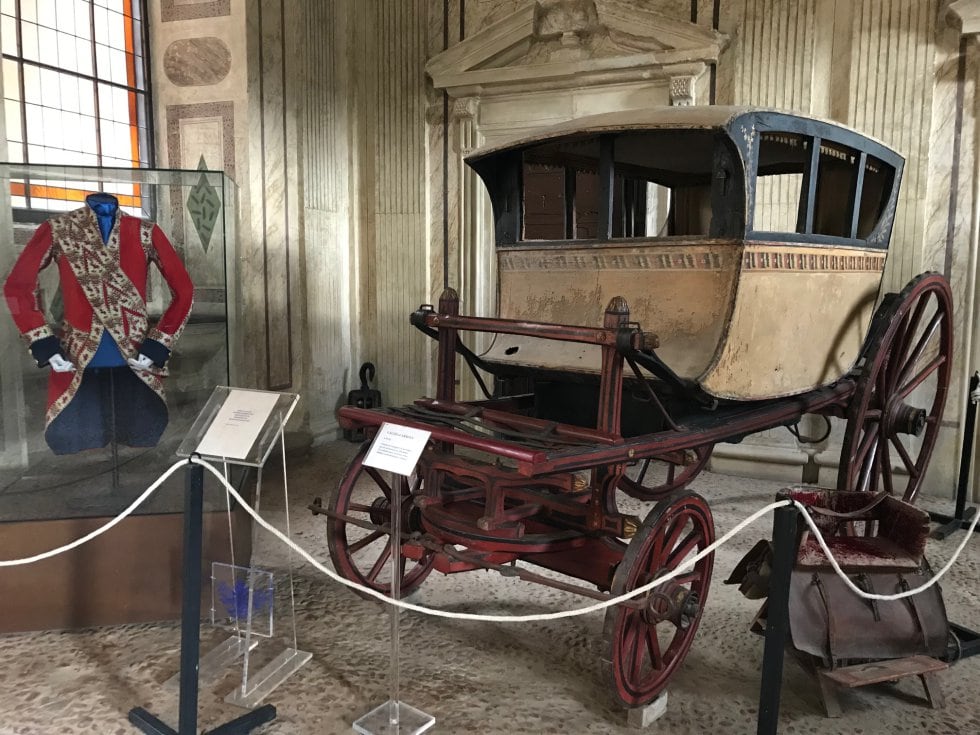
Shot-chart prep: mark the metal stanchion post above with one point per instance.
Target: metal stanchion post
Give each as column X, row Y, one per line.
column 777, row 618
column 190, row 631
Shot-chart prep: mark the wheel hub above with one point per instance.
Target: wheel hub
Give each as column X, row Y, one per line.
column 901, row 418
column 380, row 511
column 672, row 603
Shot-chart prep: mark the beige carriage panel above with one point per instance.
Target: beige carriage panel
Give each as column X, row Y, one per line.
column 681, row 292
column 801, row 314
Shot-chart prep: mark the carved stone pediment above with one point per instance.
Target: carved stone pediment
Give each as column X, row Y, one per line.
column 563, row 43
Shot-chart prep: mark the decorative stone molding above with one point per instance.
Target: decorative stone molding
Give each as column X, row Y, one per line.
column 683, row 82
column 682, row 91
column 464, row 109
column 561, row 44
column 197, row 62
column 171, row 10
column 966, row 14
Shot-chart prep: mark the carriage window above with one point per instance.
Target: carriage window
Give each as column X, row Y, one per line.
column 661, row 186
column 836, row 186
column 878, row 178
column 779, row 182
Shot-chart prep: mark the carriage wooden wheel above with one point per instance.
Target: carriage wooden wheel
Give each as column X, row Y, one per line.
column 362, row 554
column 644, row 647
column 897, row 407
column 657, row 478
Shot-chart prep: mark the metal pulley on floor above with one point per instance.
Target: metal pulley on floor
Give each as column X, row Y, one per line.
column 363, row 397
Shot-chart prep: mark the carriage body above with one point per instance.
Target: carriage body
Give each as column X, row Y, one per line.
column 750, row 242
column 667, row 279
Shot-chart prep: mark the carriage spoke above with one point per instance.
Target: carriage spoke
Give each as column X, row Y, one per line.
column 366, row 541
column 867, row 469
column 928, row 370
column 886, row 469
column 653, row 647
column 358, row 507
column 869, row 439
column 670, row 540
column 376, row 476
column 912, row 324
column 688, row 545
column 920, row 346
column 906, row 459
column 637, row 649
column 372, row 575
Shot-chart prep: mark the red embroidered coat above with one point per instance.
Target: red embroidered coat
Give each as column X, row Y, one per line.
column 103, row 286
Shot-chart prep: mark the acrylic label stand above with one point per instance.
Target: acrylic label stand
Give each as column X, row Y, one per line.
column 395, row 449
column 235, row 427
column 252, row 590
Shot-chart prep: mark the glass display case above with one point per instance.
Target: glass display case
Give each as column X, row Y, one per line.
column 197, row 212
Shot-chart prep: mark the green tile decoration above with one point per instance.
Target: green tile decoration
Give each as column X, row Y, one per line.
column 204, row 206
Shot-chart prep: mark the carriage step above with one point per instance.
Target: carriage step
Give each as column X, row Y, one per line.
column 877, row 672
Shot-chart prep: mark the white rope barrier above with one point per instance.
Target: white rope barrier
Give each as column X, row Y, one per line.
column 683, row 567
column 101, row 529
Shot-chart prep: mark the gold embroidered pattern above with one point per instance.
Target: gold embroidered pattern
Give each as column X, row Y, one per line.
column 117, row 304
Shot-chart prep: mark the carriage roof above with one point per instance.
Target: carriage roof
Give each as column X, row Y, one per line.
column 736, row 121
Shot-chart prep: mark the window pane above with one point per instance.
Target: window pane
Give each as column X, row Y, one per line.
column 836, row 181
column 32, row 84
column 47, row 43
column 878, row 180
column 67, row 58
column 66, row 16
column 120, row 105
column 11, row 80
column 28, row 10
column 86, row 134
column 83, row 21
column 101, row 24
column 102, row 62
column 782, row 158
column 586, row 205
column 69, row 93
column 117, row 31
column 47, row 14
column 12, row 117
column 28, row 37
column 777, row 202
column 7, row 7
column 83, row 56
column 86, row 97
column 8, row 33
column 544, row 201
column 117, row 66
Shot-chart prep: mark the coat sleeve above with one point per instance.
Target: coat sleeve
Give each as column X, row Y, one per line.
column 161, row 338
column 20, row 291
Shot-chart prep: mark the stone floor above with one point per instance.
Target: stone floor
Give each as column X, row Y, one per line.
column 474, row 677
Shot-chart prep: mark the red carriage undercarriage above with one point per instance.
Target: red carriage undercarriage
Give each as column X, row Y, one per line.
column 500, row 482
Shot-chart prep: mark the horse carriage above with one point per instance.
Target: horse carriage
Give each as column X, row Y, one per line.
column 668, row 279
